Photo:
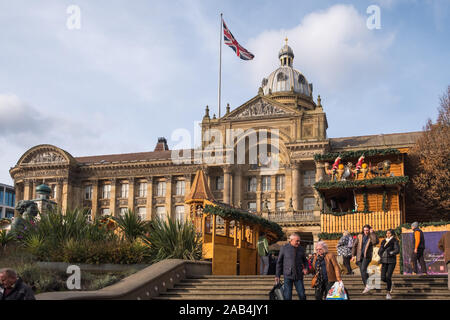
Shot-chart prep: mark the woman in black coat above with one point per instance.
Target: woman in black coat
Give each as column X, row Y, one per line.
column 388, row 257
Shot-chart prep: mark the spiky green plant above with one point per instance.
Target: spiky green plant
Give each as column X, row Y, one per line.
column 5, row 238
column 131, row 225
column 173, row 240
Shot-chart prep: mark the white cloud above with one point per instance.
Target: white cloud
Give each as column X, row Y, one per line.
column 333, row 48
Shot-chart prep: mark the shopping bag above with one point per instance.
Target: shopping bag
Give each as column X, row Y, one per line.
column 277, row 292
column 337, row 292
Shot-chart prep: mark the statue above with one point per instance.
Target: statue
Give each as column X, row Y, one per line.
column 334, row 169
column 28, row 211
column 382, row 168
column 348, row 172
column 358, row 166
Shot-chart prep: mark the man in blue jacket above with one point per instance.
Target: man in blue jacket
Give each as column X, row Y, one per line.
column 292, row 262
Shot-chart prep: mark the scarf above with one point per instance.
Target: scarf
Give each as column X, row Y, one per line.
column 387, row 241
column 319, row 274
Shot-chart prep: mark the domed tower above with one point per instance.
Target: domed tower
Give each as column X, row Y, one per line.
column 288, row 85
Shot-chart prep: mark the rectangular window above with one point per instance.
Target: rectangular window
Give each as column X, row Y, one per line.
column 309, row 203
column 251, row 184
column 123, row 211
column 124, row 190
column 309, row 178
column 143, row 189
column 179, row 214
column 180, row 188
column 266, row 183
column 280, row 183
column 106, row 192
column 219, row 183
column 280, row 206
column 88, row 193
column 161, row 213
column 2, row 196
column 105, row 212
column 252, row 206
column 161, row 189
column 142, row 212
column 9, row 214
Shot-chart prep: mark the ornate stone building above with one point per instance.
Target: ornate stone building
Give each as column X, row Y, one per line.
column 283, row 115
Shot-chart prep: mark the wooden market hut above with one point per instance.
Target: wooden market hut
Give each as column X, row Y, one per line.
column 229, row 235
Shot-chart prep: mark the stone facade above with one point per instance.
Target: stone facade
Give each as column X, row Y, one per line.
column 151, row 183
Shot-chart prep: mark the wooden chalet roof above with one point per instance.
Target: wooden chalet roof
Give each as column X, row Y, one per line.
column 200, row 190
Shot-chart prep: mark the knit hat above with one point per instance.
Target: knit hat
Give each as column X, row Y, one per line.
column 414, row 225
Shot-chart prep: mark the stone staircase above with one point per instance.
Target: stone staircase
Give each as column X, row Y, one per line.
column 210, row 287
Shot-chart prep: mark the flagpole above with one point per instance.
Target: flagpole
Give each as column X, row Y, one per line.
column 220, row 64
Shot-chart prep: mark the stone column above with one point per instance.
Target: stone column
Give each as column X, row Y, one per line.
column 59, row 189
column 149, row 205
column 33, row 186
column 65, row 195
column 237, row 186
column 169, row 196
column 94, row 200
column 259, row 205
column 131, row 183
column 273, row 191
column 295, row 186
column 320, row 174
column 227, row 172
column 27, row 190
column 187, row 188
column 113, row 198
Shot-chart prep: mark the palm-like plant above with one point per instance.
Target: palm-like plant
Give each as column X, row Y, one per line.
column 131, row 225
column 173, row 240
column 5, row 238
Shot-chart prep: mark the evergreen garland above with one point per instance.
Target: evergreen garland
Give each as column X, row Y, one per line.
column 384, row 201
column 360, row 183
column 355, row 154
column 338, row 214
column 237, row 214
column 365, row 200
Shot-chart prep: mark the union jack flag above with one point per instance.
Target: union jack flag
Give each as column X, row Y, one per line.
column 230, row 41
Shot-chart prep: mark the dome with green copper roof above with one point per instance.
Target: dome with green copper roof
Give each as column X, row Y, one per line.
column 43, row 188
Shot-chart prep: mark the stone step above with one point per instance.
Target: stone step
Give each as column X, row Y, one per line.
column 306, row 281
column 252, row 296
column 268, row 288
column 417, row 277
column 245, row 285
column 263, row 291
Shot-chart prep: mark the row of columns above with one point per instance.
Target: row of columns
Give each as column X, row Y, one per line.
column 233, row 185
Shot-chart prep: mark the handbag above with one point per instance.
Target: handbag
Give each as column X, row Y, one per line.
column 337, row 292
column 277, row 292
column 314, row 280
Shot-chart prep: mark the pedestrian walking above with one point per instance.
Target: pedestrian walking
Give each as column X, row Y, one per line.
column 13, row 286
column 344, row 249
column 326, row 271
column 444, row 245
column 362, row 252
column 293, row 265
column 419, row 248
column 263, row 252
column 272, row 264
column 389, row 249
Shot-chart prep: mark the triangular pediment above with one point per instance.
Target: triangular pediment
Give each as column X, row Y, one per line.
column 259, row 107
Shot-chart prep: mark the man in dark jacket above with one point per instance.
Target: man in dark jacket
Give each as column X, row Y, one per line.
column 419, row 248
column 13, row 287
column 293, row 264
column 362, row 252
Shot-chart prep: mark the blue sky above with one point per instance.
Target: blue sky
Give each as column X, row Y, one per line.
column 138, row 70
